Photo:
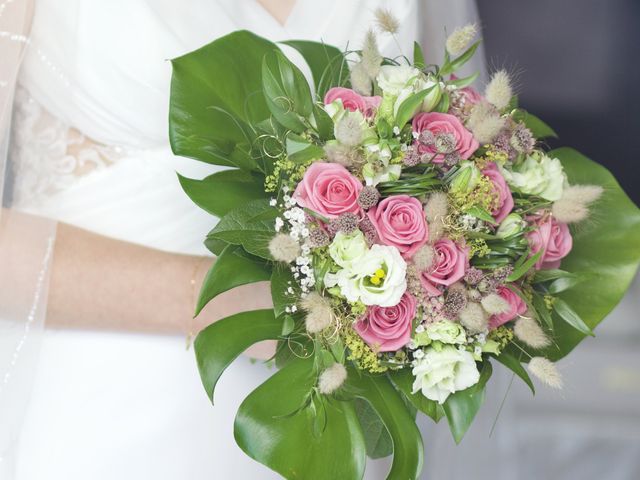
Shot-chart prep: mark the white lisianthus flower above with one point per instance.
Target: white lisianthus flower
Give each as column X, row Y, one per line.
column 393, row 78
column 446, row 331
column 511, row 225
column 538, row 175
column 355, row 282
column 439, row 373
column 348, row 249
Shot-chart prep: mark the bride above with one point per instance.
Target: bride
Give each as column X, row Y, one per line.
column 115, row 394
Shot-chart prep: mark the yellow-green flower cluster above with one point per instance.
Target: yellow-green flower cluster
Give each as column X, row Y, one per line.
column 501, row 335
column 478, row 248
column 361, row 353
column 285, row 169
column 482, row 195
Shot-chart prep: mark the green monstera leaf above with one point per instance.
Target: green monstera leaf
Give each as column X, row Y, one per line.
column 606, row 251
column 215, row 98
column 298, row 434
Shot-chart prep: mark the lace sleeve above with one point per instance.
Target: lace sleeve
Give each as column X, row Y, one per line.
column 47, row 155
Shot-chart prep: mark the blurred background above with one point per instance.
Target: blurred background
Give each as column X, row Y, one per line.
column 576, row 65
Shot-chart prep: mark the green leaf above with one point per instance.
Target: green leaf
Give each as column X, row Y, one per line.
column 251, row 225
column 328, row 65
column 443, row 104
column 214, row 97
column 524, row 267
column 409, row 106
column 452, row 66
column 403, row 380
column 267, row 429
column 214, row 245
column 481, row 213
column 513, row 364
column 281, row 280
column 323, row 123
column 286, row 91
column 464, row 82
column 542, row 276
column 462, row 407
column 564, row 283
column 408, row 451
column 541, row 309
column 418, row 56
column 606, row 251
column 301, row 150
column 223, row 341
column 376, row 436
column 533, row 123
column 221, row 192
column 566, row 313
column 232, row 268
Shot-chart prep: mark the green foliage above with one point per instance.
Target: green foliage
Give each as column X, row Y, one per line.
column 328, row 65
column 275, row 426
column 286, row 92
column 300, row 150
column 221, row 342
column 461, row 407
column 376, row 435
column 512, row 363
column 251, row 225
column 605, row 254
column 221, row 192
column 452, row 66
column 232, row 268
column 389, row 405
column 281, row 280
column 418, row 56
column 215, row 98
column 409, row 106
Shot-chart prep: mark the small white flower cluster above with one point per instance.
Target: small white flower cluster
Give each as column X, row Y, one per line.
column 295, row 220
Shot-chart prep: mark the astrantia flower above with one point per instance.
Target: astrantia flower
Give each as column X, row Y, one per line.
column 439, row 373
column 377, row 278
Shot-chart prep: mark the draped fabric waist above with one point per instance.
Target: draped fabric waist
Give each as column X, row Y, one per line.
column 137, row 199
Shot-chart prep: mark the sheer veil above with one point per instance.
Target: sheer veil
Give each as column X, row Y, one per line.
column 26, row 245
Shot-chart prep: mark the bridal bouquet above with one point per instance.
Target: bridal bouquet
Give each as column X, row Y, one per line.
column 414, row 231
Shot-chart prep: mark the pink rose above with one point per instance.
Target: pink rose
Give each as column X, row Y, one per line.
column 554, row 238
column 387, row 329
column 328, row 189
column 400, row 222
column 516, row 307
column 450, row 264
column 501, row 190
column 444, row 123
column 353, row 101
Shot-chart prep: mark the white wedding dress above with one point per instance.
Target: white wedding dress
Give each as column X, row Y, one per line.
column 90, row 142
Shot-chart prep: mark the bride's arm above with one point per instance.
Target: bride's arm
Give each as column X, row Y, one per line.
column 102, row 283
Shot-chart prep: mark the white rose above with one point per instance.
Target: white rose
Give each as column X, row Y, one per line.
column 446, row 331
column 440, row 373
column 355, row 282
column 348, row 249
column 538, row 175
column 393, row 78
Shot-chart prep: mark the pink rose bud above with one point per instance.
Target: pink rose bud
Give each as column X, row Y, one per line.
column 444, row 124
column 516, row 307
column 504, row 200
column 400, row 222
column 450, row 264
column 329, row 190
column 386, row 329
column 554, row 238
column 353, row 101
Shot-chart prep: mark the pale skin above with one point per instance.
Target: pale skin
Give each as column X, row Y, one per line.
column 102, row 283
